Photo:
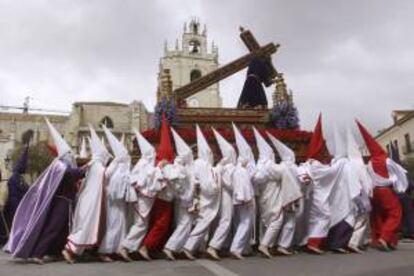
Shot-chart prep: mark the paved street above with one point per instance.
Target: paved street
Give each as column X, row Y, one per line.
column 399, row 263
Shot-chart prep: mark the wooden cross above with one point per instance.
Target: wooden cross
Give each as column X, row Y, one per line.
column 231, row 68
column 252, row 44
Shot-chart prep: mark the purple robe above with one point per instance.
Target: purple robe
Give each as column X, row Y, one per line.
column 55, row 231
column 32, row 212
column 17, row 189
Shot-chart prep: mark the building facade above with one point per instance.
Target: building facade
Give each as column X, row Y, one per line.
column 400, row 134
column 191, row 60
column 121, row 118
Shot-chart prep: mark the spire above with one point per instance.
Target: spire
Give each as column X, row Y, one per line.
column 61, row 145
column 265, row 150
column 378, row 154
column 317, row 144
column 285, row 153
column 203, row 149
column 226, row 149
column 182, row 148
column 165, row 149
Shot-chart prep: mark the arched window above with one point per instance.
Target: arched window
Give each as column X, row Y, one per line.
column 195, row 74
column 107, row 122
column 27, row 136
column 194, row 46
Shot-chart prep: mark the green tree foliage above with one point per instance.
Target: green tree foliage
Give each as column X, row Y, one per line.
column 39, row 158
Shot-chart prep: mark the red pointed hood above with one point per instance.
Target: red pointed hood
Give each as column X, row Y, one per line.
column 317, row 146
column 378, row 154
column 165, row 148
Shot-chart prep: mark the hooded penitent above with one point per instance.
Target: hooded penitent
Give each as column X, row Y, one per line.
column 31, row 215
column 357, row 162
column 183, row 150
column 89, row 209
column 244, row 150
column 316, row 145
column 225, row 169
column 243, row 192
column 162, row 210
column 383, row 170
column 203, row 149
column 253, row 94
column 378, row 154
column 118, row 193
column 291, row 190
column 208, row 181
column 227, row 150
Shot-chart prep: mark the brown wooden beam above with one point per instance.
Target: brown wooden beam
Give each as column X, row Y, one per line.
column 222, row 72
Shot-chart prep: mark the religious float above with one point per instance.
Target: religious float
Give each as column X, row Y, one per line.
column 281, row 120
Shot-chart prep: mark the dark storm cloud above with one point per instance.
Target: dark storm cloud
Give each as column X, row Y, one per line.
column 344, row 58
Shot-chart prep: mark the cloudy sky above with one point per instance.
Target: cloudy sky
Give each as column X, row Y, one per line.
column 346, row 58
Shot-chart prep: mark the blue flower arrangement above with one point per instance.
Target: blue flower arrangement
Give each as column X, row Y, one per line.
column 284, row 115
column 168, row 107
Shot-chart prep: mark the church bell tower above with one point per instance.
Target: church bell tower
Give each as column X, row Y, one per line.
column 190, row 60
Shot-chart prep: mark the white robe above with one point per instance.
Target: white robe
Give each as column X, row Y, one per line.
column 180, row 178
column 148, row 181
column 118, row 193
column 244, row 208
column 221, row 234
column 88, row 211
column 209, row 182
column 324, row 178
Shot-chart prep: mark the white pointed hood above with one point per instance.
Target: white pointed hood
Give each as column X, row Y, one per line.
column 203, row 149
column 244, row 149
column 352, row 147
column 285, row 153
column 339, row 144
column 123, row 139
column 83, row 153
column 227, row 150
column 117, row 147
column 61, row 145
column 183, row 150
column 265, row 150
column 98, row 149
column 146, row 149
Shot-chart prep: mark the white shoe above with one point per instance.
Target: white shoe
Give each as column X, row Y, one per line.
column 265, row 250
column 284, row 251
column 213, row 253
column 143, row 251
column 169, row 254
column 237, row 255
column 189, row 255
column 124, row 254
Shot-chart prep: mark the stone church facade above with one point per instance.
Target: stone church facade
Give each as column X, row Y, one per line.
column 121, row 118
column 191, row 60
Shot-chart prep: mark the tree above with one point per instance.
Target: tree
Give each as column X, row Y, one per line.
column 39, row 158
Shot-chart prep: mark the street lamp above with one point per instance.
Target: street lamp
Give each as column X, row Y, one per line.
column 7, row 162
